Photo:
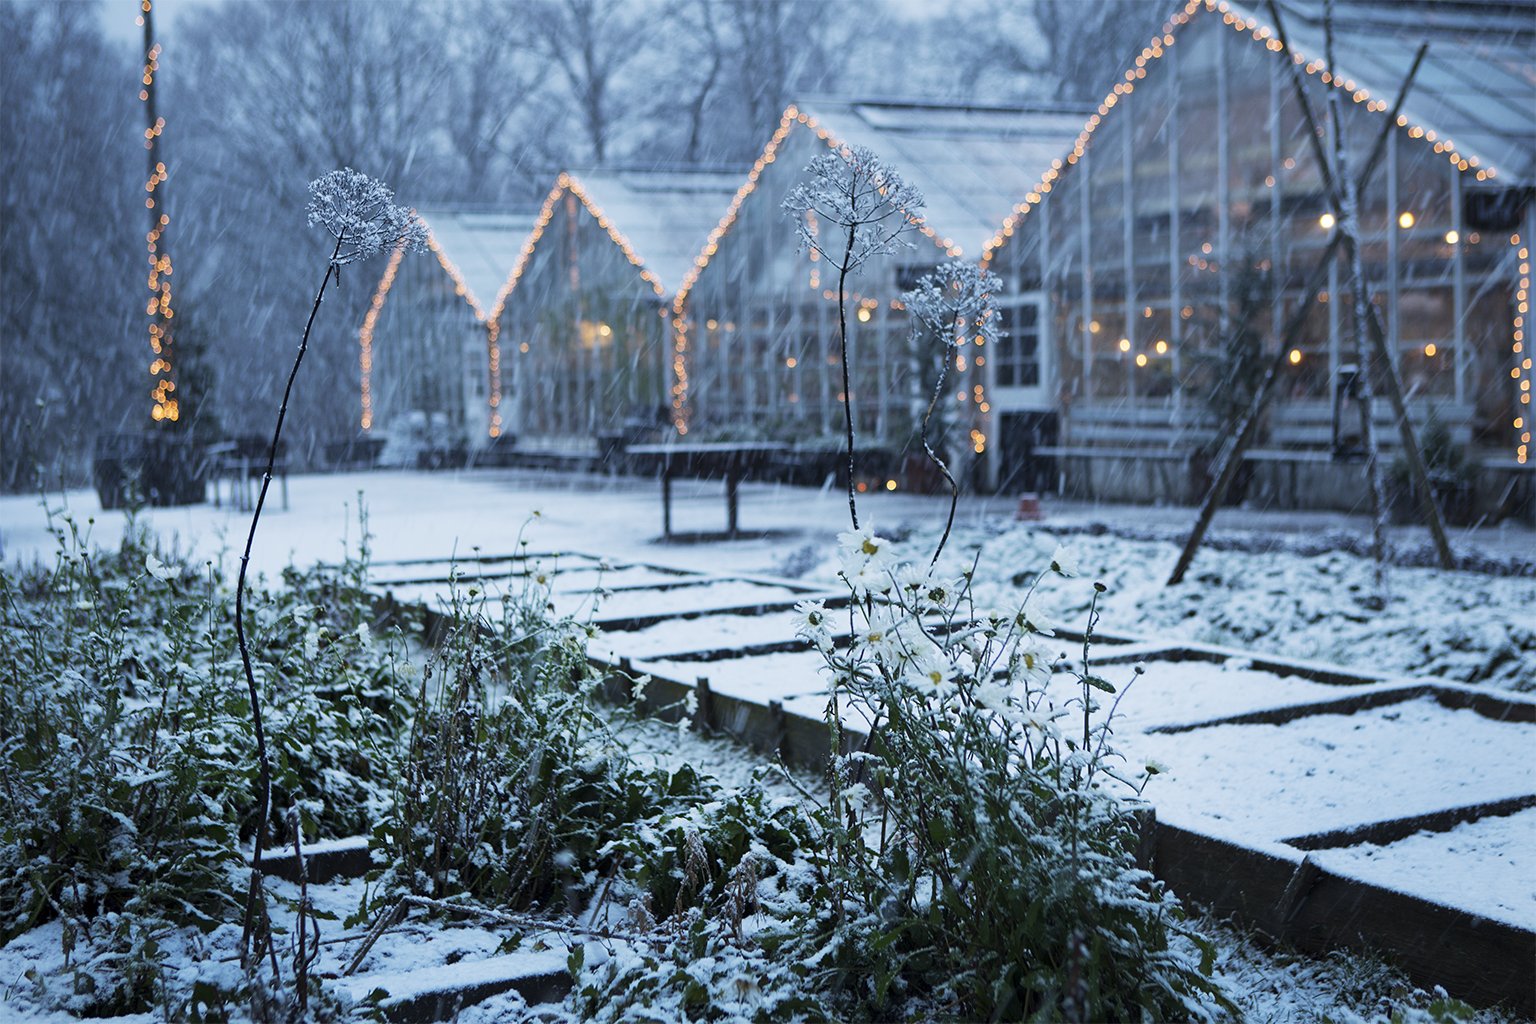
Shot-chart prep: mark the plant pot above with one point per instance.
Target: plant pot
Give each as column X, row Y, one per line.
column 149, row 469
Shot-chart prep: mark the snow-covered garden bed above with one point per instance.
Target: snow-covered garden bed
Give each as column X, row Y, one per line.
column 1468, row 627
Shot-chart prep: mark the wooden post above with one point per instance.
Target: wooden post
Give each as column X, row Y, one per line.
column 732, row 478
column 666, row 496
column 704, row 712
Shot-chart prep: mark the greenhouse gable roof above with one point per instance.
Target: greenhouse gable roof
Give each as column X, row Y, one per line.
column 1476, row 90
column 972, row 163
column 659, row 217
column 478, row 249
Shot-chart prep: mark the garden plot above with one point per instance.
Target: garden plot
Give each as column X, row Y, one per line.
column 649, row 602
column 565, row 572
column 1173, row 692
column 1393, row 752
column 703, row 632
column 759, row 678
column 1321, row 772
column 1494, row 862
column 704, row 596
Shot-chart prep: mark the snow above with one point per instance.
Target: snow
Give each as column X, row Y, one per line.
column 759, row 678
column 563, row 573
column 456, row 975
column 1186, row 692
column 1330, row 771
column 1460, row 626
column 705, row 632
column 620, row 604
column 1492, row 860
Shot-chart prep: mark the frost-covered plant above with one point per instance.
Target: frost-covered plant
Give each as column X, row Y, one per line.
column 953, row 304
column 512, row 788
column 115, row 819
column 124, row 796
column 359, row 212
column 980, row 858
column 701, row 973
column 868, row 209
column 716, row 889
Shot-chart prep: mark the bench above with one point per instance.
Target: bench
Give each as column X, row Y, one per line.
column 240, row 462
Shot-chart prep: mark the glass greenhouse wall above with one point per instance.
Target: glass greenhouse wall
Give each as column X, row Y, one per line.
column 423, row 361
column 1172, row 248
column 584, row 322
column 757, row 323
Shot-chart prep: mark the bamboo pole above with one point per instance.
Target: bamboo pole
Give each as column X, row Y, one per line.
column 1231, row 458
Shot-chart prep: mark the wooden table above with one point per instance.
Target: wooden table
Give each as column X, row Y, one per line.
column 731, row 460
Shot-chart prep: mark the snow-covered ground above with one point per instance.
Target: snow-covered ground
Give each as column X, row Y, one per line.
column 1266, row 782
column 1461, row 626
column 1270, row 986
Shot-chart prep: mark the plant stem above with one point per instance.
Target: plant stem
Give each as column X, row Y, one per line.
column 264, row 803
column 954, row 488
column 842, row 334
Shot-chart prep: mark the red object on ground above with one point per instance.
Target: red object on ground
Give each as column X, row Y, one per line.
column 1029, row 509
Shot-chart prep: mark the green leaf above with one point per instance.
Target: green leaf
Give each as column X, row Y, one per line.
column 1099, row 683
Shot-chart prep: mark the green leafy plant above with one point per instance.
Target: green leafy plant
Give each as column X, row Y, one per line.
column 981, row 843
column 125, row 801
column 511, row 785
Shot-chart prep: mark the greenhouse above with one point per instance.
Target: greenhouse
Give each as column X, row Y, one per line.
column 428, row 375
column 756, row 321
column 583, row 319
column 1162, row 256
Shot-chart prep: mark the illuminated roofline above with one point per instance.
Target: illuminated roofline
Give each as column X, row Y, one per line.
column 1258, row 32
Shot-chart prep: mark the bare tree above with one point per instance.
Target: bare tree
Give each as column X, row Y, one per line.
column 1070, row 49
column 710, row 43
column 591, row 41
column 781, row 48
column 493, row 73
column 72, row 282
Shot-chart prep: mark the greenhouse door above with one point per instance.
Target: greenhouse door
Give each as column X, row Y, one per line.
column 1021, row 371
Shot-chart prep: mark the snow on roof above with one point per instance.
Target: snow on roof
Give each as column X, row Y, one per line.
column 664, row 215
column 482, row 247
column 971, row 163
column 1476, row 90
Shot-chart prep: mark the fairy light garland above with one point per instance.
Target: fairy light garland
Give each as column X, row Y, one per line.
column 1520, row 372
column 376, row 306
column 166, row 407
column 1265, row 35
column 365, row 334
